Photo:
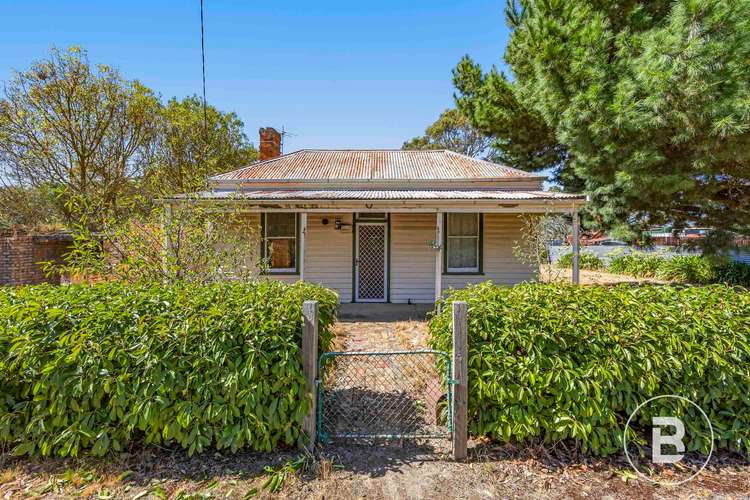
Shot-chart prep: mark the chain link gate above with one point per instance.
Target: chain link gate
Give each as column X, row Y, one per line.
column 396, row 394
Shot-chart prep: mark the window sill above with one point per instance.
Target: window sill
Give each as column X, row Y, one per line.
column 463, row 273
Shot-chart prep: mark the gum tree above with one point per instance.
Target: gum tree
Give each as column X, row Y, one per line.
column 83, row 130
column 453, row 131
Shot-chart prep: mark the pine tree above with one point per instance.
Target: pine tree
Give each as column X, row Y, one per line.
column 644, row 105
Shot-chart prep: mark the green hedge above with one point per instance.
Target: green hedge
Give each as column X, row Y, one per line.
column 586, row 260
column 733, row 273
column 688, row 269
column 562, row 362
column 101, row 367
column 638, row 264
column 691, row 269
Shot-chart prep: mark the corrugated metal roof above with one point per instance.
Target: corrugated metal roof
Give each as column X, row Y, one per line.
column 366, row 165
column 341, row 194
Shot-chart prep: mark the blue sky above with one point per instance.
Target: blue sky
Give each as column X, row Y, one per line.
column 333, row 73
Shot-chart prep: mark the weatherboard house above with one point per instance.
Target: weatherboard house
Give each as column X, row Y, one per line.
column 386, row 225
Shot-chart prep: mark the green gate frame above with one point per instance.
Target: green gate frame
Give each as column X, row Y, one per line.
column 324, row 438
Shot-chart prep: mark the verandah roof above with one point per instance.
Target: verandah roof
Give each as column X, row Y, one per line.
column 370, row 195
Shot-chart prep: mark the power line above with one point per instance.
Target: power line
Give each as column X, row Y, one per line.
column 203, row 68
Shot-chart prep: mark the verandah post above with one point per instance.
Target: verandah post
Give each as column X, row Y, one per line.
column 310, row 364
column 460, row 383
column 438, row 255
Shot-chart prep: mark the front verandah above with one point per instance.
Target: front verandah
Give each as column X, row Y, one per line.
column 409, row 256
column 382, row 253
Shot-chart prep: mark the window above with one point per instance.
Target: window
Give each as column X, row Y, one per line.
column 280, row 242
column 463, row 243
column 371, row 216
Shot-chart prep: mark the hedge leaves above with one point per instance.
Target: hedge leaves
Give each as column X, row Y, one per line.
column 562, row 362
column 100, row 367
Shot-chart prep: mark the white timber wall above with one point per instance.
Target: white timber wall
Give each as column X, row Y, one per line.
column 328, row 253
column 412, row 258
column 501, row 231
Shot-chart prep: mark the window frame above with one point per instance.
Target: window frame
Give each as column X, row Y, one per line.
column 465, row 271
column 292, row 271
column 371, row 216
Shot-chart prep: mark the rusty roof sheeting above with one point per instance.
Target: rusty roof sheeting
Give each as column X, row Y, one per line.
column 367, row 165
column 343, row 194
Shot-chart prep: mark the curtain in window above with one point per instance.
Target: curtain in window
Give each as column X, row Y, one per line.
column 463, row 242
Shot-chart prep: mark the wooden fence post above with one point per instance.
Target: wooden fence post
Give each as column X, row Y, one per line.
column 310, row 364
column 460, row 380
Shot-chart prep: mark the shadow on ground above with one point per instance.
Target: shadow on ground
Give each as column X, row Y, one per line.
column 376, row 469
column 374, row 458
column 142, row 466
column 384, row 313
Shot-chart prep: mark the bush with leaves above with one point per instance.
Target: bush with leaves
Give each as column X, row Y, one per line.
column 537, row 230
column 693, row 269
column 106, row 366
column 732, row 273
column 687, row 269
column 638, row 264
column 553, row 362
column 183, row 242
column 586, row 260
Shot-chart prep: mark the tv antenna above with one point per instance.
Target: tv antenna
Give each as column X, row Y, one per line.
column 284, row 133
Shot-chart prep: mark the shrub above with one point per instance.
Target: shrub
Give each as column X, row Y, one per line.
column 638, row 264
column 733, row 273
column 687, row 269
column 682, row 268
column 586, row 260
column 558, row 362
column 101, row 367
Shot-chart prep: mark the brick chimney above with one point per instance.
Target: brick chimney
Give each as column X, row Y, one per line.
column 270, row 143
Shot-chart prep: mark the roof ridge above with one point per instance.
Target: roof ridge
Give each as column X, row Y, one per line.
column 387, row 150
column 513, row 169
column 491, row 170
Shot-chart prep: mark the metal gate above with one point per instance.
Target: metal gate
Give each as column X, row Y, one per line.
column 396, row 394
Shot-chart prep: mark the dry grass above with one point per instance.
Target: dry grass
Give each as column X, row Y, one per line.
column 552, row 274
column 375, row 470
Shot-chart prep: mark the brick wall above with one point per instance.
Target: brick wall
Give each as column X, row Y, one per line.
column 22, row 257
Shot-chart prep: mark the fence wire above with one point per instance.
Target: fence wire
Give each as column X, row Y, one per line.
column 398, row 394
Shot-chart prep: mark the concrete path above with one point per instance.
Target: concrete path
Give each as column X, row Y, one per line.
column 383, row 312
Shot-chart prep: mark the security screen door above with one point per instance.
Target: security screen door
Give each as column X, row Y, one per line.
column 371, row 262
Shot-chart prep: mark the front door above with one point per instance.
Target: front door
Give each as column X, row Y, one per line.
column 371, row 262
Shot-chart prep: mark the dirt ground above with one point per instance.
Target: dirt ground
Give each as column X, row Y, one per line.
column 550, row 274
column 380, row 335
column 374, row 470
